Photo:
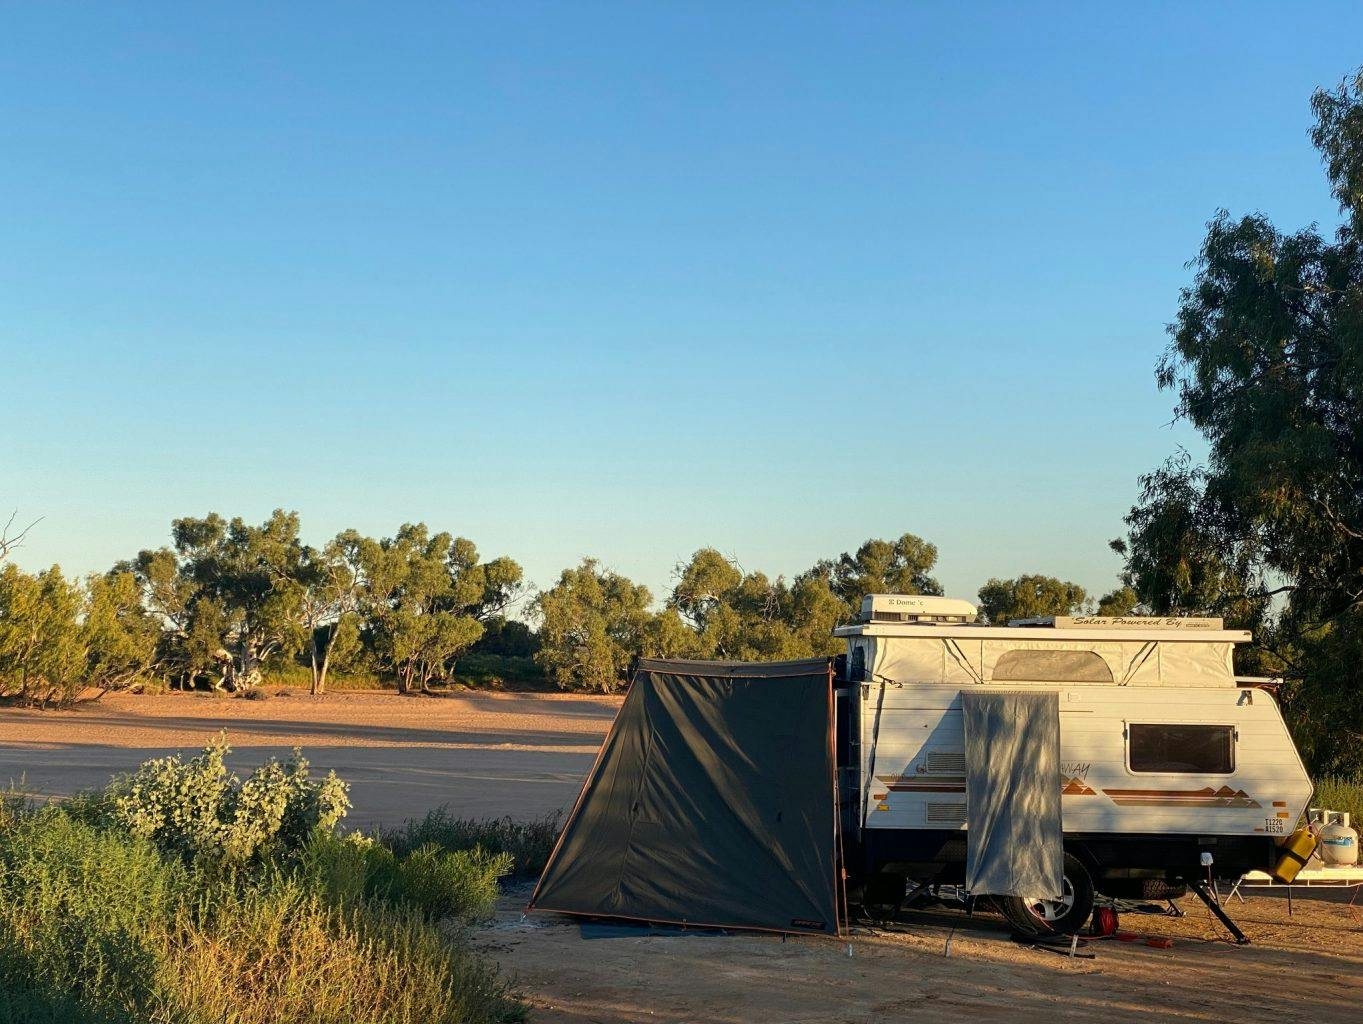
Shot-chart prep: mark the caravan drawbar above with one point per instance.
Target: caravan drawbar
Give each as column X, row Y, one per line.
column 1169, row 764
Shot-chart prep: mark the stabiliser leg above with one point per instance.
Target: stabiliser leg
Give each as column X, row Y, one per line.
column 1241, row 939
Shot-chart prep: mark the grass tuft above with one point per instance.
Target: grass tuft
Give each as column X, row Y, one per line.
column 529, row 843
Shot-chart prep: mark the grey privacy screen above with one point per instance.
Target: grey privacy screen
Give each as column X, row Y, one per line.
column 711, row 803
column 1013, row 830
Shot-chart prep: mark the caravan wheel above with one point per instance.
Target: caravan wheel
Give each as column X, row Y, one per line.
column 1064, row 916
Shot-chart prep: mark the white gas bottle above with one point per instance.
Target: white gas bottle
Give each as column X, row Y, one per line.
column 1338, row 842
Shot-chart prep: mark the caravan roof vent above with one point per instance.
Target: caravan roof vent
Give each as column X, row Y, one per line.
column 915, row 608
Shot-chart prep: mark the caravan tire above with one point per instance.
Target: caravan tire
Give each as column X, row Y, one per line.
column 1053, row 917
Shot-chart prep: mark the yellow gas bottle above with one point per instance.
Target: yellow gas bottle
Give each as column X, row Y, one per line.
column 1296, row 851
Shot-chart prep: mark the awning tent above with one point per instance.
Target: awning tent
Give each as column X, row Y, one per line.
column 711, row 803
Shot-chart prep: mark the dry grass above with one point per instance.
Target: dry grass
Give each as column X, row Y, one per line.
column 98, row 925
column 284, row 954
column 1340, row 794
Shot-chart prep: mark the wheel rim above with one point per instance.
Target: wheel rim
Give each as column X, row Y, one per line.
column 1051, row 911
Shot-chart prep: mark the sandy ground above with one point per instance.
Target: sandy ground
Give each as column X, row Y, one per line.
column 526, row 754
column 1305, row 968
column 484, row 754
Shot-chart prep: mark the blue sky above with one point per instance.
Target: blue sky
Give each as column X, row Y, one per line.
column 624, row 279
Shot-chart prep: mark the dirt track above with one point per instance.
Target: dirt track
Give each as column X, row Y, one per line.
column 487, row 754
column 1307, row 968
column 525, row 755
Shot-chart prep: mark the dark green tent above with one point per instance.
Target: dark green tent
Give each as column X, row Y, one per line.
column 711, row 803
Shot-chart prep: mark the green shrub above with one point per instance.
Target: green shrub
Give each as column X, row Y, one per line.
column 291, row 673
column 434, row 882
column 344, row 869
column 199, row 810
column 461, row 884
column 483, row 670
column 1339, row 793
column 81, row 917
column 528, row 842
column 98, row 925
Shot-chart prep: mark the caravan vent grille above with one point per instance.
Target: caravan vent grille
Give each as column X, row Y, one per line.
column 945, row 762
column 952, row 814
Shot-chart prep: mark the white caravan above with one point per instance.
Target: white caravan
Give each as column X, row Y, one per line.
column 1166, row 758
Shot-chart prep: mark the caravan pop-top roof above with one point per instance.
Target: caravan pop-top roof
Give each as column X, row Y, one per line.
column 912, row 615
column 915, row 639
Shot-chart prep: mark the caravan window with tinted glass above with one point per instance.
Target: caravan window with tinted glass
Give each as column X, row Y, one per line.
column 1190, row 749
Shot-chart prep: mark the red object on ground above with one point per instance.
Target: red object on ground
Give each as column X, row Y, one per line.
column 1104, row 922
column 1157, row 943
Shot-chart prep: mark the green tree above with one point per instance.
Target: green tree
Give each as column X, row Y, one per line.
column 1119, row 602
column 481, row 590
column 119, row 636
column 508, row 638
column 751, row 617
column 41, row 655
column 252, row 574
column 903, row 566
column 814, row 612
column 1029, row 597
column 190, row 630
column 705, row 585
column 1175, row 562
column 592, row 623
column 666, row 635
column 328, row 586
column 58, row 637
column 416, row 622
column 1266, row 359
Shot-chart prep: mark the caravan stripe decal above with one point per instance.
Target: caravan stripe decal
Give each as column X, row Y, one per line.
column 1070, row 786
column 1205, row 797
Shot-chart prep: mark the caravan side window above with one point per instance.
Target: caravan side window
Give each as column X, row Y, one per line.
column 1190, row 749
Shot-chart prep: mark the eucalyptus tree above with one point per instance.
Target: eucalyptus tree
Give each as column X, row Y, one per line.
column 120, row 637
column 1119, row 602
column 1030, row 596
column 1266, row 362
column 593, row 622
column 736, row 614
column 480, row 590
column 902, row 566
column 190, row 629
column 251, row 574
column 411, row 601
column 329, row 584
column 59, row 636
column 40, row 649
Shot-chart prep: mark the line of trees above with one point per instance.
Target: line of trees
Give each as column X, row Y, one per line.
column 228, row 601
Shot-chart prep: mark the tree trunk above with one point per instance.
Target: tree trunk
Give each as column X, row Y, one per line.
column 319, row 670
column 317, row 685
column 326, row 664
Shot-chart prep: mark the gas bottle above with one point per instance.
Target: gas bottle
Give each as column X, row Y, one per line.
column 1296, row 851
column 1338, row 842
